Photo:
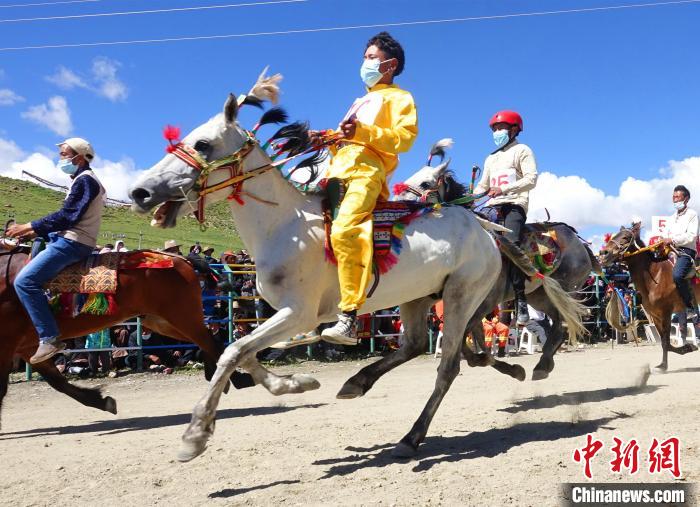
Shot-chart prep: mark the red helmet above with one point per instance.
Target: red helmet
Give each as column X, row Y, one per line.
column 510, row 117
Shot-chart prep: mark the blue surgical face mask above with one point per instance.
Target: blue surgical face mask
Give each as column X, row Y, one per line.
column 369, row 72
column 501, row 137
column 67, row 166
column 679, row 205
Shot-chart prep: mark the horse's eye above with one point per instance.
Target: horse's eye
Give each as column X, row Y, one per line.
column 202, row 146
column 425, row 185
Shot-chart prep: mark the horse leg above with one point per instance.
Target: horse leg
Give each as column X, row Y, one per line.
column 185, row 330
column 282, row 324
column 5, row 367
column 86, row 396
column 458, row 311
column 512, row 370
column 664, row 328
column 415, row 331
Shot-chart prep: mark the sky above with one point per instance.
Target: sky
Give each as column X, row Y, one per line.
column 610, row 98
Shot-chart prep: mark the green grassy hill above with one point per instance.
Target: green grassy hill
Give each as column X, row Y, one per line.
column 25, row 201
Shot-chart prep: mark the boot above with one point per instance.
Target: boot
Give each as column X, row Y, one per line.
column 344, row 331
column 523, row 314
column 47, row 350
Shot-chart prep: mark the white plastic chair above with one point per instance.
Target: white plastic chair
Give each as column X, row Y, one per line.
column 528, row 342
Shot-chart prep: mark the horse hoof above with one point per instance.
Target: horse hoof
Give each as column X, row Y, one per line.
column 241, row 380
column 403, row 451
column 350, row 391
column 519, row 373
column 691, row 347
column 189, row 450
column 110, row 405
column 660, row 368
column 539, row 374
column 305, row 382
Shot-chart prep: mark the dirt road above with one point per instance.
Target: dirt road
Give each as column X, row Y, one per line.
column 494, row 441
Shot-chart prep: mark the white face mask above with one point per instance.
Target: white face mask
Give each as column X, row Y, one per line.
column 679, row 205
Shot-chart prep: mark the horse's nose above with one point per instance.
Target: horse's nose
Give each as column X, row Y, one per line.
column 140, row 196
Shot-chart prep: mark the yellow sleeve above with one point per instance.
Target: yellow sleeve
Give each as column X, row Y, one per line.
column 399, row 137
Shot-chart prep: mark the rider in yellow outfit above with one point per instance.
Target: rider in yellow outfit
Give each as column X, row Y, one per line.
column 375, row 130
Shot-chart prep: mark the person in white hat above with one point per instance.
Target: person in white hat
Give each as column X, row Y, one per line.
column 72, row 234
column 172, row 246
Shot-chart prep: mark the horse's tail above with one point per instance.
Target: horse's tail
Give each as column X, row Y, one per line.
column 613, row 314
column 571, row 311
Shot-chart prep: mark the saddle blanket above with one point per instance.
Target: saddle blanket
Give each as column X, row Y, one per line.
column 98, row 273
column 389, row 220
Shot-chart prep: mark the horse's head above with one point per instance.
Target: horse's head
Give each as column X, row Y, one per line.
column 626, row 240
column 426, row 185
column 218, row 146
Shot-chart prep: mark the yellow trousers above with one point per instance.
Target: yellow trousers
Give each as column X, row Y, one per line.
column 351, row 235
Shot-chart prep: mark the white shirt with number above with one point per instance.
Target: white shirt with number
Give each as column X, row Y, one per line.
column 513, row 169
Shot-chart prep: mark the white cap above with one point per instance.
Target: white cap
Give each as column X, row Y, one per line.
column 80, row 146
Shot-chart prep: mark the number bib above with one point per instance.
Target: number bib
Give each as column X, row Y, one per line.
column 366, row 108
column 504, row 177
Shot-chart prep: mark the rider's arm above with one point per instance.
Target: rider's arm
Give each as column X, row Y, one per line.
column 397, row 138
column 83, row 192
column 528, row 168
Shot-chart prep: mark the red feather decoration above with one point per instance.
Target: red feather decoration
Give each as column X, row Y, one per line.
column 172, row 134
column 400, row 188
column 607, row 237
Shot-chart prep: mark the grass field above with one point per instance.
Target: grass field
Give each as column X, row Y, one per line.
column 25, row 201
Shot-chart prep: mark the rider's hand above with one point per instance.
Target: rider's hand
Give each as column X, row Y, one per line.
column 348, row 127
column 20, row 231
column 495, row 192
column 315, row 137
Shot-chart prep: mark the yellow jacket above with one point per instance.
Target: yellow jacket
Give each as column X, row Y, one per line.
column 386, row 126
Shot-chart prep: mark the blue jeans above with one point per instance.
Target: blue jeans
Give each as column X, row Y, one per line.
column 29, row 284
column 684, row 264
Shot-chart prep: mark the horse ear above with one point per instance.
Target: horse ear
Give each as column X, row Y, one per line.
column 231, row 109
column 442, row 168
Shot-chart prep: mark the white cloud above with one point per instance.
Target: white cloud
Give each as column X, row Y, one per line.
column 9, row 98
column 103, row 79
column 573, row 200
column 115, row 176
column 55, row 115
column 66, row 79
column 104, row 72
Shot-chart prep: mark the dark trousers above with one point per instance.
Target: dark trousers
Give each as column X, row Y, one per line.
column 103, row 357
column 513, row 217
column 684, row 265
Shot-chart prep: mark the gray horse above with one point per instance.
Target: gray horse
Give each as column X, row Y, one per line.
column 437, row 184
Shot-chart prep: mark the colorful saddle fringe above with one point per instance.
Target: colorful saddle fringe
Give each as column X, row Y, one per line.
column 389, row 219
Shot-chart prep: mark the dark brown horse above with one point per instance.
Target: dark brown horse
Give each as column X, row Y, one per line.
column 169, row 301
column 653, row 280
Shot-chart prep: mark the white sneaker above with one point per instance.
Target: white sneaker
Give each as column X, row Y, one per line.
column 344, row 332
column 300, row 339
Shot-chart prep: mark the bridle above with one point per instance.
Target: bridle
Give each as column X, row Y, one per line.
column 424, row 195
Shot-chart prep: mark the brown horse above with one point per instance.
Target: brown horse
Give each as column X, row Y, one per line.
column 169, row 301
column 653, row 280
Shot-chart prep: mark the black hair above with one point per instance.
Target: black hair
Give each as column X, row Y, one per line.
column 684, row 189
column 391, row 47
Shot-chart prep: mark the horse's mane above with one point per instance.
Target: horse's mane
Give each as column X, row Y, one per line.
column 453, row 188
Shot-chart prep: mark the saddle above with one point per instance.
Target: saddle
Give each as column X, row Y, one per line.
column 389, row 220
column 89, row 286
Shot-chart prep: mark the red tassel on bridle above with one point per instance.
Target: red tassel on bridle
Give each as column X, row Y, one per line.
column 400, row 188
column 172, row 135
